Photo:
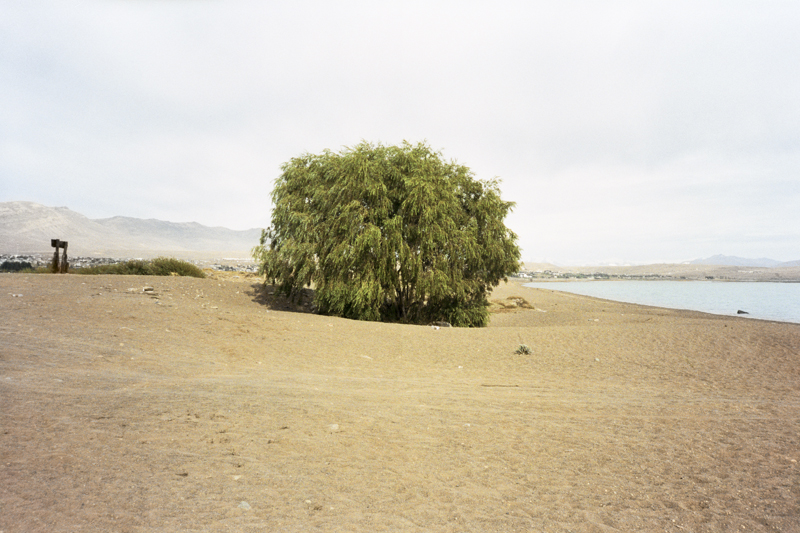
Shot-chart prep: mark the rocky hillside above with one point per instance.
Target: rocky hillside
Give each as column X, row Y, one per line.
column 27, row 227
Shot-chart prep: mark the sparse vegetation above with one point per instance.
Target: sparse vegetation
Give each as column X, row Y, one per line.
column 160, row 266
column 513, row 302
column 523, row 349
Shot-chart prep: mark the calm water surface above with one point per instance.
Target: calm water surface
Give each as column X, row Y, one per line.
column 768, row 301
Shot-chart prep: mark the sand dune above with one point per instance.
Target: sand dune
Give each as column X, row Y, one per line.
column 206, row 405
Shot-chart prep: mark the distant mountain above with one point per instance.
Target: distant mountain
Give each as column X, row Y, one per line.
column 729, row 260
column 28, row 227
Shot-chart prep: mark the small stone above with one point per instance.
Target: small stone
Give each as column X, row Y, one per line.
column 245, row 506
column 333, row 428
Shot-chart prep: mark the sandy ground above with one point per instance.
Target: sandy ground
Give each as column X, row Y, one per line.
column 206, row 405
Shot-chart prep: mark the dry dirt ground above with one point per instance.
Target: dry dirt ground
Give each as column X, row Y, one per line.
column 207, row 405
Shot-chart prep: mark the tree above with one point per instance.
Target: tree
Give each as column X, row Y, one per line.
column 388, row 233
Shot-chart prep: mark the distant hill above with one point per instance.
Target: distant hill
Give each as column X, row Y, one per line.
column 729, row 260
column 27, row 227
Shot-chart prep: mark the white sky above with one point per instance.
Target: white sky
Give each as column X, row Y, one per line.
column 625, row 131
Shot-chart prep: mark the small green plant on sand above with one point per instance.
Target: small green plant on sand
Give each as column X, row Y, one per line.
column 523, row 349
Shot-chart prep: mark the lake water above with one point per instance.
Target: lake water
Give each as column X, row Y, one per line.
column 768, row 301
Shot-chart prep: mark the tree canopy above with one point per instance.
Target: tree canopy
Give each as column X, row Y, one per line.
column 388, row 233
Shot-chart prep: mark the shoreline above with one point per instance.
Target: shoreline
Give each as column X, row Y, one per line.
column 664, row 272
column 682, row 309
column 656, row 299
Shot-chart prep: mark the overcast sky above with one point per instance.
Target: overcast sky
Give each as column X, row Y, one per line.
column 627, row 132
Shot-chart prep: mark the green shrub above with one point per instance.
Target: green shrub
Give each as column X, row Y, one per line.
column 160, row 266
column 135, row 267
column 128, row 268
column 16, row 266
column 523, row 349
column 169, row 266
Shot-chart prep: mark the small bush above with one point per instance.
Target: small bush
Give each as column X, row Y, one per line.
column 133, row 268
column 169, row 266
column 523, row 349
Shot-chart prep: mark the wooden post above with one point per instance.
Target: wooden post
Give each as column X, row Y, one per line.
column 64, row 263
column 62, row 266
column 55, row 243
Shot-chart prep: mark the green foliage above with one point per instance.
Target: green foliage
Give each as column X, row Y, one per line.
column 160, row 266
column 523, row 349
column 169, row 266
column 388, row 233
column 128, row 268
column 16, row 266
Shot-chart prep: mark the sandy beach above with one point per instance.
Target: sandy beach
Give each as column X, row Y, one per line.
column 208, row 405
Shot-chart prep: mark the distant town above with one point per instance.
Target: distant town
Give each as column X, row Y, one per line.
column 551, row 275
column 17, row 262
column 674, row 272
